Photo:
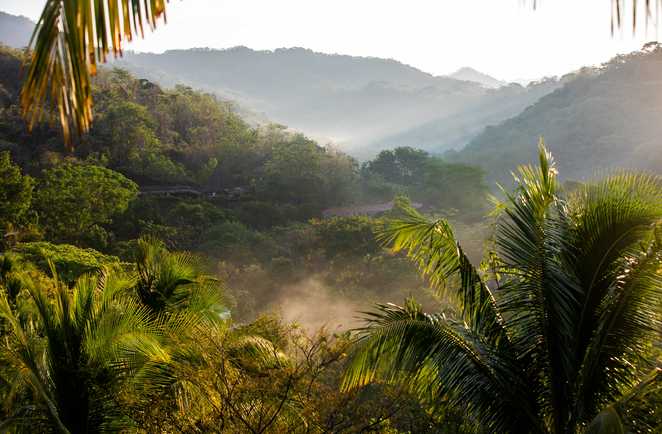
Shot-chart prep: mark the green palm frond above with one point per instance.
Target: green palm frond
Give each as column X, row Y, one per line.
column 610, row 219
column 617, row 259
column 440, row 258
column 172, row 281
column 161, row 273
column 539, row 297
column 71, row 38
column 441, row 358
column 94, row 327
column 578, row 298
column 629, row 318
column 26, row 356
column 611, row 420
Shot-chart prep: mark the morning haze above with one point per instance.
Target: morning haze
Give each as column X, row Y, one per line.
column 310, row 216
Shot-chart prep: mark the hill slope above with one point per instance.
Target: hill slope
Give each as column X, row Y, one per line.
column 458, row 129
column 470, row 74
column 15, row 31
column 359, row 103
column 601, row 118
column 354, row 101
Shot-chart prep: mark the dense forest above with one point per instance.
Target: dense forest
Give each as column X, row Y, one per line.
column 357, row 102
column 601, row 118
column 180, row 267
column 167, row 171
column 181, row 166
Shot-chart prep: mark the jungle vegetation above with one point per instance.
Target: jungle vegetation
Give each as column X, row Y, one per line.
column 149, row 260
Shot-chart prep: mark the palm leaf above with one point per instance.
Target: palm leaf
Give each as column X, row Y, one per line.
column 441, row 358
column 617, row 257
column 71, row 38
column 440, row 258
column 539, row 296
column 576, row 304
column 611, row 420
column 26, row 357
column 630, row 319
column 172, row 282
column 94, row 328
column 609, row 220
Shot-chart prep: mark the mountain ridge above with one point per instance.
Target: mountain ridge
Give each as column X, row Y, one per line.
column 601, row 118
column 353, row 101
column 15, row 30
column 467, row 73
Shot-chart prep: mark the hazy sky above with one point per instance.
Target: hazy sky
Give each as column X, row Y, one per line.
column 504, row 38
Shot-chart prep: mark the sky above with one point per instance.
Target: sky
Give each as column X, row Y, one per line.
column 507, row 39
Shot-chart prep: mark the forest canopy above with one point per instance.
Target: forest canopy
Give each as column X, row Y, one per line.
column 182, row 270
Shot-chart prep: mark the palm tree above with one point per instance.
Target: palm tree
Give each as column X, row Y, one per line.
column 619, row 7
column 554, row 332
column 220, row 378
column 75, row 350
column 73, row 36
column 170, row 282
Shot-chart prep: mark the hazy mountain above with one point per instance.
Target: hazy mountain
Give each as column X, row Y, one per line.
column 470, row 74
column 600, row 119
column 363, row 104
column 354, row 101
column 15, row 31
column 456, row 130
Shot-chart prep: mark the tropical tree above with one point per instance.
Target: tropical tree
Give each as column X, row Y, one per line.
column 75, row 201
column 551, row 336
column 170, row 282
column 15, row 199
column 72, row 351
column 71, row 38
column 15, row 191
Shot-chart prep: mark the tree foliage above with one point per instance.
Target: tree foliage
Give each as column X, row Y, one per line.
column 15, row 192
column 552, row 336
column 74, row 201
column 448, row 187
column 70, row 262
column 602, row 118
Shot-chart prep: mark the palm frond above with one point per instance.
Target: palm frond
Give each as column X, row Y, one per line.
column 615, row 224
column 539, row 296
column 619, row 9
column 611, row 418
column 440, row 258
column 444, row 359
column 172, row 281
column 94, row 327
column 26, row 356
column 610, row 218
column 71, row 38
column 578, row 301
column 629, row 320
